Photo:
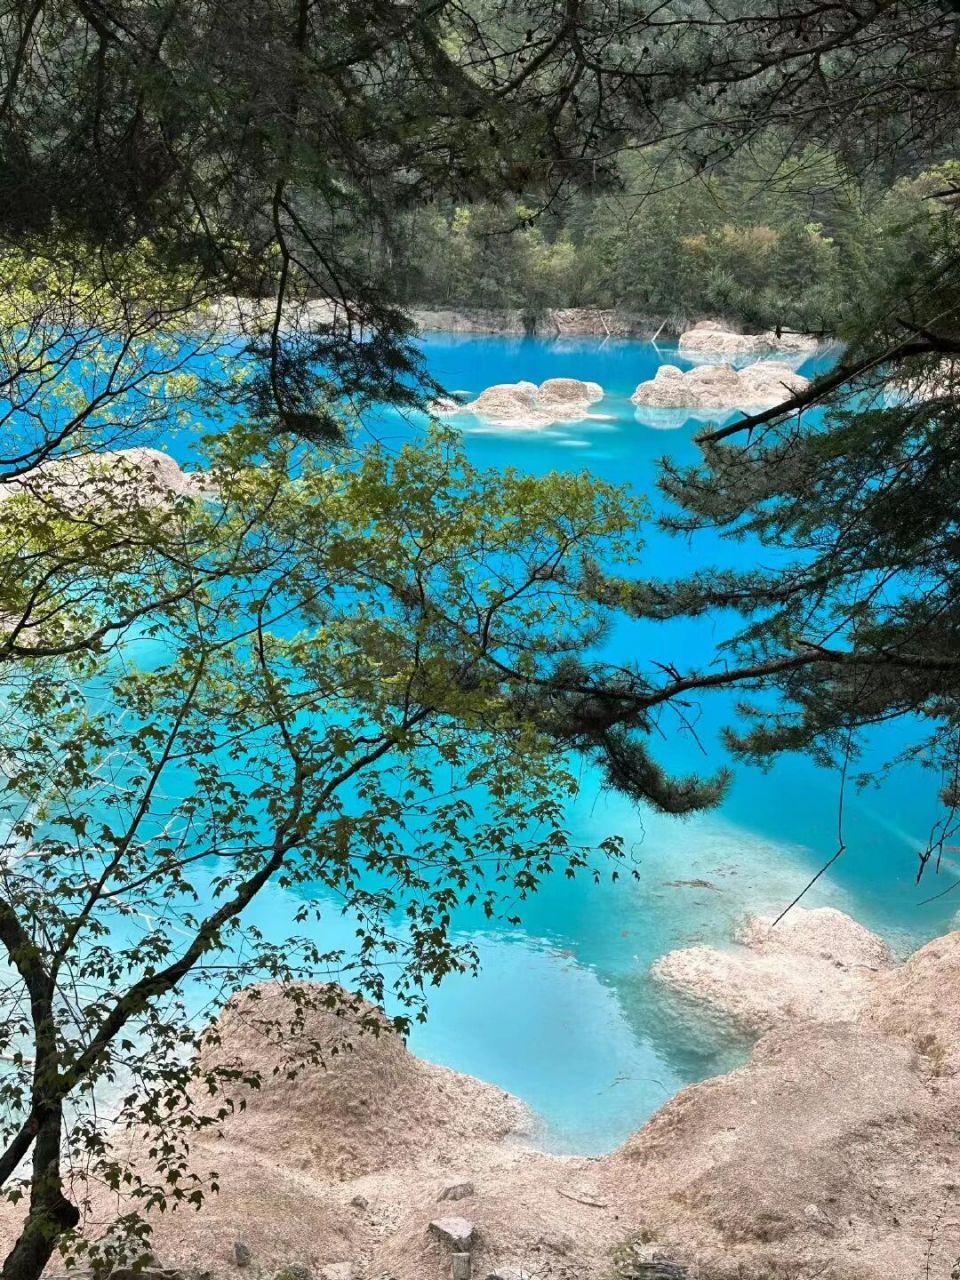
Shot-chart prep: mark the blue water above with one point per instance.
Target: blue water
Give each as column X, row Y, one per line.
column 562, row 1012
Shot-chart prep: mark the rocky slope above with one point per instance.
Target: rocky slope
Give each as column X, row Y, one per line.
column 833, row 1154
column 556, row 322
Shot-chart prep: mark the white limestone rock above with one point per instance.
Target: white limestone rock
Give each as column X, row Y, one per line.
column 720, row 387
column 524, row 404
column 118, row 479
column 458, row 1233
column 710, row 338
column 814, row 966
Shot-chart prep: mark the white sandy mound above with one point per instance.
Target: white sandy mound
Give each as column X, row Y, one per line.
column 539, row 1215
column 524, row 404
column 832, row 1155
column 920, row 1002
column 814, row 966
column 829, row 1155
column 371, row 1105
column 720, row 386
column 350, row 1163
column 710, row 338
column 120, row 478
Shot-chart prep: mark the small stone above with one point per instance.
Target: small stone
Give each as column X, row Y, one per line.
column 360, row 1202
column 460, row 1270
column 241, row 1253
column 458, row 1233
column 511, row 1273
column 648, row 1263
column 457, row 1191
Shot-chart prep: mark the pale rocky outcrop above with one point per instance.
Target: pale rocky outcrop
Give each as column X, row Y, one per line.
column 476, row 320
column 119, row 479
column 524, row 404
column 814, row 965
column 233, row 314
column 554, row 322
column 719, row 388
column 833, row 1154
column 709, row 338
column 828, row 1156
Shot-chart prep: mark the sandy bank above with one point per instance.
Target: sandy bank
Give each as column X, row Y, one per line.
column 832, row 1154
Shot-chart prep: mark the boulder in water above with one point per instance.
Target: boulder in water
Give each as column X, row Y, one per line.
column 524, row 404
column 569, row 393
column 814, row 966
column 711, row 339
column 720, row 387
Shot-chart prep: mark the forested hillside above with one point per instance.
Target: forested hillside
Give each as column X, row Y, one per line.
column 773, row 237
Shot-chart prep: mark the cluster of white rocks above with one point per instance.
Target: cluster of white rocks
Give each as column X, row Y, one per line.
column 524, row 404
column 708, row 338
column 711, row 392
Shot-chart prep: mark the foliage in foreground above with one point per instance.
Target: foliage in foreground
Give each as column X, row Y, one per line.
column 357, row 682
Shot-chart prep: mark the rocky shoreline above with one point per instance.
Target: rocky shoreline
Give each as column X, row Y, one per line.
column 553, row 322
column 834, row 1153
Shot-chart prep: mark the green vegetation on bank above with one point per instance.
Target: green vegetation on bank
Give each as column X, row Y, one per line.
column 771, row 238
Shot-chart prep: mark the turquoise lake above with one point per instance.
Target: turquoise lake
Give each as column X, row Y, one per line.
column 563, row 1012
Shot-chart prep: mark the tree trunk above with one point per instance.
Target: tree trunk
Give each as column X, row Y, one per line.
column 51, row 1213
